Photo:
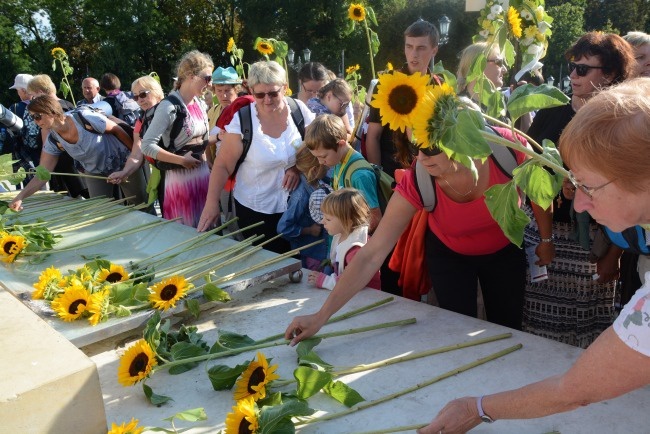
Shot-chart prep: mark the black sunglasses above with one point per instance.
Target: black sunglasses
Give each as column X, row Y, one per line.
column 498, row 62
column 142, row 95
column 429, row 152
column 272, row 94
column 581, row 68
column 36, row 116
column 208, row 79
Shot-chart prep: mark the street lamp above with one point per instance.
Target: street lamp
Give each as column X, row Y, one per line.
column 296, row 64
column 550, row 80
column 443, row 23
column 566, row 82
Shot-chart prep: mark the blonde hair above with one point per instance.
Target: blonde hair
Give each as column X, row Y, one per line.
column 609, row 135
column 338, row 87
column 149, row 83
column 349, row 206
column 467, row 58
column 308, row 165
column 41, row 83
column 266, row 72
column 192, row 63
column 326, row 131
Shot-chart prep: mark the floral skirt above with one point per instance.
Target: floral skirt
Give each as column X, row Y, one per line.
column 185, row 194
column 569, row 306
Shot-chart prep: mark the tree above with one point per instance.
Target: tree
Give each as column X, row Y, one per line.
column 568, row 26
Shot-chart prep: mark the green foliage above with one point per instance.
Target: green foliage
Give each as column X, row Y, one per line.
column 224, row 377
column 343, row 393
column 503, row 202
column 277, row 419
column 213, row 293
column 310, row 381
column 229, row 341
column 154, row 398
column 528, row 98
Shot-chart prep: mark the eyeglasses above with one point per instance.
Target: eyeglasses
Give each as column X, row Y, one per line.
column 207, row 78
column 342, row 105
column 311, row 92
column 429, row 152
column 498, row 62
column 589, row 191
column 36, row 116
column 581, row 68
column 142, row 95
column 272, row 94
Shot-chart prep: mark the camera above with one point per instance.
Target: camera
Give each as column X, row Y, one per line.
column 10, row 120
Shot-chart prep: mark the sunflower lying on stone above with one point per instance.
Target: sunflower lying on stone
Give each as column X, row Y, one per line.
column 136, row 364
column 253, row 381
column 11, row 246
column 167, row 292
column 244, row 418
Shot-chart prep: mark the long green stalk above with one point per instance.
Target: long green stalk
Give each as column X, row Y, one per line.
column 451, row 373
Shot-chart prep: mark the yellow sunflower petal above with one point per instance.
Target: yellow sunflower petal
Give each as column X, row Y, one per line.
column 115, row 273
column 423, row 131
column 252, row 382
column 166, row 293
column 397, row 97
column 231, row 45
column 71, row 304
column 98, row 306
column 126, row 428
column 357, row 12
column 515, row 22
column 264, row 47
column 243, row 418
column 11, row 246
column 136, row 363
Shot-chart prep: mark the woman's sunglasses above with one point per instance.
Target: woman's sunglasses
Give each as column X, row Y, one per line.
column 581, row 68
column 498, row 62
column 142, row 95
column 272, row 94
column 36, row 116
column 429, row 152
column 208, row 79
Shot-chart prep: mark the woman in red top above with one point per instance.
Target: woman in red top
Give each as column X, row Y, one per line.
column 464, row 246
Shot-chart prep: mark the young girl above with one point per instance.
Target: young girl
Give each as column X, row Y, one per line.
column 296, row 224
column 346, row 217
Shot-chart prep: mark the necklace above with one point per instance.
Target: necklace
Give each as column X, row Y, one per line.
column 456, row 191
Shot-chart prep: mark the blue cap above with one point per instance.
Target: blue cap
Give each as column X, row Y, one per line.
column 225, row 76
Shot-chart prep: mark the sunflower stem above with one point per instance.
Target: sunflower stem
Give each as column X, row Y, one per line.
column 451, row 373
column 78, row 175
column 396, row 429
column 372, row 60
column 515, row 132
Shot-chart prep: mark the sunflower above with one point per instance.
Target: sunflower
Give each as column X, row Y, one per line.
column 126, row 428
column 50, row 276
column 264, row 47
column 58, row 53
column 166, row 293
column 70, row 305
column 11, row 246
column 136, row 363
column 427, row 121
column 357, row 12
column 352, row 68
column 397, row 96
column 243, row 419
column 98, row 306
column 515, row 21
column 231, row 45
column 253, row 381
column 389, row 66
column 115, row 273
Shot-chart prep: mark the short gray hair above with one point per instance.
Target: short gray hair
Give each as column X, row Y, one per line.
column 637, row 39
column 266, row 72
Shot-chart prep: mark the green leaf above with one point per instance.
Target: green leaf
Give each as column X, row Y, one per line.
column 230, row 341
column 193, row 306
column 153, row 398
column 54, row 65
column 502, row 201
column 310, row 381
column 224, row 377
column 538, row 184
column 374, row 42
column 349, row 28
column 466, row 138
column 509, row 53
column 185, row 350
column 213, row 293
column 370, row 13
column 343, row 393
column 43, row 174
column 277, row 419
column 193, row 415
column 528, row 98
column 308, row 357
column 151, row 332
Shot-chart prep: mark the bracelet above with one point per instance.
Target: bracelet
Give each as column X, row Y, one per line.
column 547, row 240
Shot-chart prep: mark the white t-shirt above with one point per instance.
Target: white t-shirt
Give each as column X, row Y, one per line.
column 633, row 324
column 259, row 178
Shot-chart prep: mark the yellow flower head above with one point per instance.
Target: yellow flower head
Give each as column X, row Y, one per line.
column 231, row 45
column 98, row 306
column 352, row 68
column 264, row 47
column 126, row 428
column 49, row 276
column 530, row 31
column 252, row 382
column 71, row 304
column 389, row 66
column 397, row 97
column 243, row 418
column 115, row 273
column 427, row 121
column 166, row 293
column 58, row 53
column 11, row 246
column 136, row 363
column 515, row 22
column 357, row 12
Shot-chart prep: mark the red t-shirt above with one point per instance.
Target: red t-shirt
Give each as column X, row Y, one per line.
column 466, row 228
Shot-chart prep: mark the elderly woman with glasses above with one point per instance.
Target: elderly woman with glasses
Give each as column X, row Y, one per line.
column 576, row 303
column 184, row 182
column 267, row 174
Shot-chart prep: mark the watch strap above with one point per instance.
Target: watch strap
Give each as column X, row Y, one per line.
column 479, row 405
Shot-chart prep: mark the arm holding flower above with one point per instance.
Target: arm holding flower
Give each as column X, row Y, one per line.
column 48, row 161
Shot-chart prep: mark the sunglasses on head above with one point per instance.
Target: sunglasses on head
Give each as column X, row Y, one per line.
column 581, row 68
column 142, row 95
column 498, row 62
column 272, row 94
column 429, row 152
column 36, row 116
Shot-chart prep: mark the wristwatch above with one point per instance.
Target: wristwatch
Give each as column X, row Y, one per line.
column 484, row 417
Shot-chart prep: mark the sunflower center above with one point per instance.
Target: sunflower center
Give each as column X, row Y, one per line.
column 75, row 305
column 138, row 364
column 114, row 277
column 403, row 99
column 244, row 427
column 257, row 376
column 357, row 12
column 9, row 245
column 168, row 292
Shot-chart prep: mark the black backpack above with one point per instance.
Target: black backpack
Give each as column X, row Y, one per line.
column 124, row 107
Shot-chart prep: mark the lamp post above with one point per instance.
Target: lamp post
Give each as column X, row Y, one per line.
column 443, row 23
column 566, row 83
column 296, row 64
column 550, row 80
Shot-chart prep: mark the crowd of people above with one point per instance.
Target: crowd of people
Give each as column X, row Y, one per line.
column 217, row 145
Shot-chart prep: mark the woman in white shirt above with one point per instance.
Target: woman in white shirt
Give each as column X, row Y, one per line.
column 268, row 174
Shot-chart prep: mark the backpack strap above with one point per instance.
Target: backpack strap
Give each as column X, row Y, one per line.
column 425, row 185
column 504, row 157
column 80, row 118
column 296, row 115
column 353, row 167
column 180, row 113
column 246, row 124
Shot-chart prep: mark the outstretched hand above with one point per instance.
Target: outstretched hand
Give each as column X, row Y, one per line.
column 303, row 327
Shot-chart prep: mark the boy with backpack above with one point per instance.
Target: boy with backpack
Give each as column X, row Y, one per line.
column 122, row 105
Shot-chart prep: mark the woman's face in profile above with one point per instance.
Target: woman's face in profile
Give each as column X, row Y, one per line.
column 495, row 69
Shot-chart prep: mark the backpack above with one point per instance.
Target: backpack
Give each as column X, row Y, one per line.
column 124, row 107
column 246, row 123
column 384, row 182
column 631, row 239
column 504, row 158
